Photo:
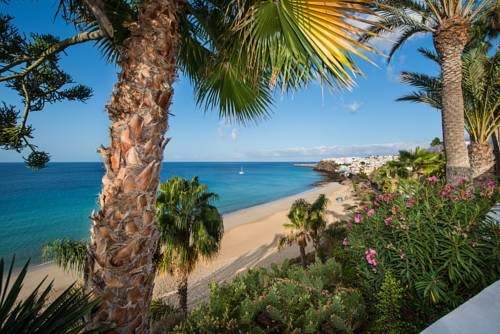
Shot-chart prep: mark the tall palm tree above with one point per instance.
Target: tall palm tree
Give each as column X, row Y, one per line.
column 235, row 53
column 190, row 228
column 449, row 22
column 307, row 224
column 481, row 89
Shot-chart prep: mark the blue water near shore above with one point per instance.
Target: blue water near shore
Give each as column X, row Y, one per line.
column 36, row 207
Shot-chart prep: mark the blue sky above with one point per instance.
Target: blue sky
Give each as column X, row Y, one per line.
column 308, row 125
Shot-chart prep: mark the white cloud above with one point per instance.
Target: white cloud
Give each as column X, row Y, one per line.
column 354, row 107
column 320, row 152
column 234, row 134
column 221, row 128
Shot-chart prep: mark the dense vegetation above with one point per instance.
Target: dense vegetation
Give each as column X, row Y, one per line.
column 283, row 299
column 410, row 164
column 406, row 258
column 433, row 238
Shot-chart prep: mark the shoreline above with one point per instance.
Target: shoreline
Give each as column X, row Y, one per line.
column 250, row 240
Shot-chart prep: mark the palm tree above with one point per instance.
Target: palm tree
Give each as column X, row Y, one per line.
column 316, row 223
column 307, row 224
column 481, row 89
column 35, row 314
column 235, row 53
column 298, row 216
column 420, row 162
column 449, row 22
column 190, row 228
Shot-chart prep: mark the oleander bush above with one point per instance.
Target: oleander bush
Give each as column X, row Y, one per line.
column 282, row 299
column 433, row 238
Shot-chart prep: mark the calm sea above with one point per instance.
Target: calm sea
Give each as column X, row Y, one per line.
column 36, row 207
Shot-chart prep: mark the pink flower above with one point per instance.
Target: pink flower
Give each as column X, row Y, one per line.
column 443, row 194
column 388, row 221
column 491, row 184
column 466, row 195
column 433, row 179
column 345, row 242
column 370, row 213
column 410, row 202
column 357, row 218
column 448, row 188
column 370, row 257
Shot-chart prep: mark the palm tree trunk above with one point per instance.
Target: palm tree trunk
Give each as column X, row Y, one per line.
column 303, row 258
column 496, row 150
column 121, row 271
column 317, row 249
column 481, row 158
column 182, row 291
column 450, row 40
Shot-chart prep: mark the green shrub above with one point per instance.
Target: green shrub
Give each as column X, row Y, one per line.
column 434, row 239
column 409, row 165
column 286, row 299
column 388, row 307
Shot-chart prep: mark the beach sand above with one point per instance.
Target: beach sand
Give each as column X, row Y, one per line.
column 250, row 240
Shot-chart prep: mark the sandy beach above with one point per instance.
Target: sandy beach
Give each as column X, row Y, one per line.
column 250, row 240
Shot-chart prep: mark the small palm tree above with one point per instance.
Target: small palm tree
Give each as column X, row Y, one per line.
column 298, row 217
column 35, row 314
column 307, row 224
column 316, row 224
column 189, row 228
column 420, row 162
column 449, row 22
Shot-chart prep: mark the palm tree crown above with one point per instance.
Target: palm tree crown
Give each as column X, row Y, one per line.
column 189, row 226
column 481, row 88
column 307, row 224
column 411, row 17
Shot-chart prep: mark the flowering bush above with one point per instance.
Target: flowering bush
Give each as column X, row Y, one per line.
column 433, row 238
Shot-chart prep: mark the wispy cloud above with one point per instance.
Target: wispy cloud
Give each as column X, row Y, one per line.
column 320, row 152
column 354, row 107
column 224, row 130
column 234, row 134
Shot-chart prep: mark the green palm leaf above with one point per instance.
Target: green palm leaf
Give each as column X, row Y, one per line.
column 67, row 254
column 34, row 314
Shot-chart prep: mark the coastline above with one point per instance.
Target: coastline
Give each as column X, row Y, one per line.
column 250, row 240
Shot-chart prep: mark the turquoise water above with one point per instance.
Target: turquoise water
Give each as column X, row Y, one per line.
column 36, row 207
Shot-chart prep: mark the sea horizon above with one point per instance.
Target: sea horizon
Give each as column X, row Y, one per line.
column 55, row 203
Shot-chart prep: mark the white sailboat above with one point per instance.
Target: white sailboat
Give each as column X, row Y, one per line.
column 241, row 172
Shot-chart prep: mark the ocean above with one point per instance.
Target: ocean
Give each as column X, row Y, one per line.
column 54, row 203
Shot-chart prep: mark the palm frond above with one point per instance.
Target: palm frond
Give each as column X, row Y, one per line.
column 189, row 226
column 429, row 54
column 67, row 254
column 301, row 40
column 34, row 313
